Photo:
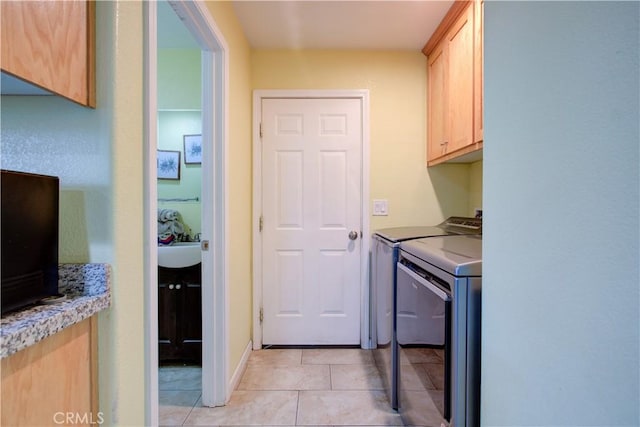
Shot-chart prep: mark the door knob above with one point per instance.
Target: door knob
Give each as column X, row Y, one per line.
column 353, row 235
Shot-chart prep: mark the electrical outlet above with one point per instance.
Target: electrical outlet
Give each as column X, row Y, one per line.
column 380, row 207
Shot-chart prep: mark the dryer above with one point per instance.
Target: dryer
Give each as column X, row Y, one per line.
column 384, row 257
column 438, row 383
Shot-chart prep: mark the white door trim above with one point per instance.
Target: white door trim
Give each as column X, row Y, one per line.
column 258, row 95
column 215, row 106
column 150, row 207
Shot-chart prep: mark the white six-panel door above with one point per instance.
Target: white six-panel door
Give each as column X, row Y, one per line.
column 311, row 202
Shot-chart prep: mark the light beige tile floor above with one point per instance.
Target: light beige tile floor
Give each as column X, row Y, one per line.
column 288, row 387
column 180, row 390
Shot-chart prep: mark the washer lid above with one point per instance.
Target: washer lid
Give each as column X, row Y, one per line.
column 452, row 225
column 458, row 255
column 400, row 234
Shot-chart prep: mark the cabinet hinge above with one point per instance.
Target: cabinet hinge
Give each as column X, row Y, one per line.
column 260, row 129
column 261, row 223
column 261, row 315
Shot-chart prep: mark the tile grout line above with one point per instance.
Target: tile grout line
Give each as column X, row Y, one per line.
column 297, row 408
column 297, row 418
column 192, row 408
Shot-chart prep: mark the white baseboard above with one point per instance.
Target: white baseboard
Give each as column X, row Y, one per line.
column 237, row 374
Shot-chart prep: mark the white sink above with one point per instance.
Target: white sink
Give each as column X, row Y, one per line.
column 178, row 255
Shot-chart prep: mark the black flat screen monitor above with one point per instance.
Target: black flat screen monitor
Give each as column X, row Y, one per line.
column 30, row 204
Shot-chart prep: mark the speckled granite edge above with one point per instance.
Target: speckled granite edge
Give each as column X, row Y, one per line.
column 88, row 291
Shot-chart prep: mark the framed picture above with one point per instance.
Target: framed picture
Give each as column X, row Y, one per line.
column 192, row 149
column 168, row 164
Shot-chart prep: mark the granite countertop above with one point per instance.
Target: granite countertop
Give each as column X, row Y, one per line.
column 87, row 288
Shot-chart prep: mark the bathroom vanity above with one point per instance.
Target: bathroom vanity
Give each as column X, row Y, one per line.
column 180, row 314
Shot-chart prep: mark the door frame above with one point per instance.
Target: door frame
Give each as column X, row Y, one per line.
column 258, row 96
column 215, row 106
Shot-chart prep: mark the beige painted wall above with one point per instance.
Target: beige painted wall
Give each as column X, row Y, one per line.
column 122, row 351
column 239, row 119
column 475, row 186
column 396, row 81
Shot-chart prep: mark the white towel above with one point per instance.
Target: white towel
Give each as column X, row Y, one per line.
column 174, row 227
column 170, row 223
column 165, row 215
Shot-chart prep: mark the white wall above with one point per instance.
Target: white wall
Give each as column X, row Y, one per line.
column 561, row 231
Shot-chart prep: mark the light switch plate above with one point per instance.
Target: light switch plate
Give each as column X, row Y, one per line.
column 380, row 207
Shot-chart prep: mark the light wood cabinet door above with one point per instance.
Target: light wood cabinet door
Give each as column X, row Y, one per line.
column 460, row 82
column 454, row 110
column 437, row 106
column 51, row 45
column 55, row 377
column 478, row 73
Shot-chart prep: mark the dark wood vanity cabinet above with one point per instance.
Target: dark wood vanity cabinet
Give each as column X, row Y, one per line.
column 180, row 314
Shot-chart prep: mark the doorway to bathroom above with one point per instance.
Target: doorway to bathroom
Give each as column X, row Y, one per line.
column 186, row 78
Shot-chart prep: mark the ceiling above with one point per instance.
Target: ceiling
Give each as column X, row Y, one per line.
column 394, row 25
column 328, row 24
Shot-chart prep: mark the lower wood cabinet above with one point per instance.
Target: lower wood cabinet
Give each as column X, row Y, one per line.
column 180, row 314
column 53, row 382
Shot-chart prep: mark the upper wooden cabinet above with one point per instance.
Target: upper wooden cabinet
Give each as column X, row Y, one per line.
column 478, row 67
column 51, row 45
column 437, row 101
column 454, row 85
